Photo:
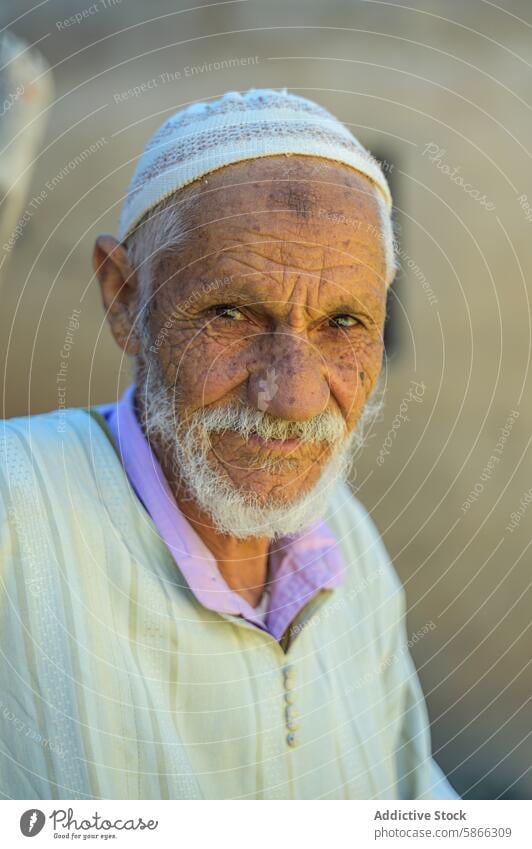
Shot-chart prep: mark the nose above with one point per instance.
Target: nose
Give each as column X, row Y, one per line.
column 288, row 378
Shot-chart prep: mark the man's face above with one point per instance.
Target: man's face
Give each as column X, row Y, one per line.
column 261, row 340
column 275, row 304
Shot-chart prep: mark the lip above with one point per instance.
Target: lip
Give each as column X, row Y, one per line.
column 281, row 445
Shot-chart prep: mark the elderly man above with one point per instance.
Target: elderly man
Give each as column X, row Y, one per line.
column 194, row 604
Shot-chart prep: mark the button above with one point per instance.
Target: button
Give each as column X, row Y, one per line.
column 289, row 684
column 291, row 716
column 289, row 698
column 291, row 739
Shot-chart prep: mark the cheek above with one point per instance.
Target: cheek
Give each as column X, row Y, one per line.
column 204, row 369
column 353, row 373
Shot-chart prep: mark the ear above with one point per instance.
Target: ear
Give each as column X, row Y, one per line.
column 119, row 286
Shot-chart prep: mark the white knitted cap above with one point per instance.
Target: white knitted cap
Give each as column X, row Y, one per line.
column 207, row 136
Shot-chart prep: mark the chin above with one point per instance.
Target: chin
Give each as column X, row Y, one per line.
column 268, row 496
column 274, row 485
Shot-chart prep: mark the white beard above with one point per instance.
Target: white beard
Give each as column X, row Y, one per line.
column 242, row 514
column 233, row 511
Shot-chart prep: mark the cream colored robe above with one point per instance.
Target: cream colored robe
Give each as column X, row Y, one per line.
column 115, row 683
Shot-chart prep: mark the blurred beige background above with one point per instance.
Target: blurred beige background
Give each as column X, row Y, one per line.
column 441, row 91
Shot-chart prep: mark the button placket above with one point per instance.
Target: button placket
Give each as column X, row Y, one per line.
column 291, row 715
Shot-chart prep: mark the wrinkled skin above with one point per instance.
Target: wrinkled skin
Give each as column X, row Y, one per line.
column 305, row 270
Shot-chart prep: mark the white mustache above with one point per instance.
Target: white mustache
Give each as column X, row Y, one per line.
column 327, row 426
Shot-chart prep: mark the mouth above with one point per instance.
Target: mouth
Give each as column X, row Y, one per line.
column 282, row 446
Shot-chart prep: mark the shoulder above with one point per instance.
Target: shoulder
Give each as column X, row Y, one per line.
column 54, row 468
column 360, row 539
column 372, row 585
column 37, row 450
column 45, row 429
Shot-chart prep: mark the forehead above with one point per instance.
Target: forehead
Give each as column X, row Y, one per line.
column 286, row 212
column 297, row 184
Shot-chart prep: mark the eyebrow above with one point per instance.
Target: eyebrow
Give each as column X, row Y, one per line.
column 243, row 294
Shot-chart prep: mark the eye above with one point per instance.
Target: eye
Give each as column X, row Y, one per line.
column 228, row 311
column 343, row 321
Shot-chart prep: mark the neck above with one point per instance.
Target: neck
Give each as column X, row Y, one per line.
column 243, row 563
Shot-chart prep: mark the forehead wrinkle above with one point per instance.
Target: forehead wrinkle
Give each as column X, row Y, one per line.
column 234, row 254
column 346, row 275
column 312, row 251
column 277, row 272
column 261, row 245
column 309, row 294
